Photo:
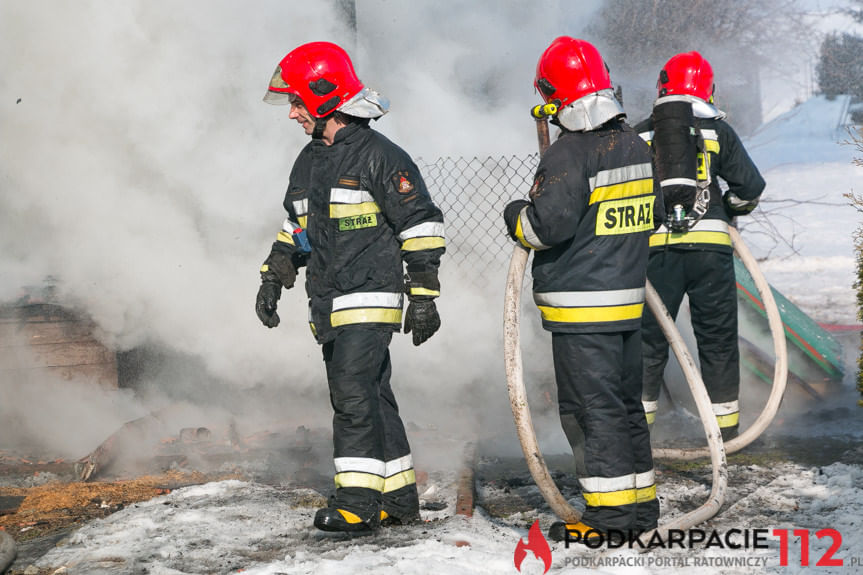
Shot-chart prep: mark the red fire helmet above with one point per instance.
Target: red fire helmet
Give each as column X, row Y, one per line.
column 687, row 73
column 319, row 73
column 570, row 69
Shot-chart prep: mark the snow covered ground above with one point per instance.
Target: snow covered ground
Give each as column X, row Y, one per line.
column 804, row 228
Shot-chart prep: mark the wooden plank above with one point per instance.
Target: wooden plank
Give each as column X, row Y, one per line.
column 32, row 333
column 103, row 374
column 36, row 313
column 819, row 348
column 55, row 355
column 465, row 490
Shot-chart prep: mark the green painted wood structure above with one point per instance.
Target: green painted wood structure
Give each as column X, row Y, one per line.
column 815, row 358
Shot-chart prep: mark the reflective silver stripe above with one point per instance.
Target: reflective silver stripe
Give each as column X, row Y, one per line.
column 289, row 226
column 398, row 465
column 528, row 233
column 726, row 408
column 647, row 136
column 589, row 298
column 650, row 406
column 607, row 484
column 301, row 207
column 701, row 226
column 361, row 464
column 619, row 175
column 345, row 196
column 709, row 135
column 425, row 229
column 645, row 479
column 677, row 182
column 368, row 299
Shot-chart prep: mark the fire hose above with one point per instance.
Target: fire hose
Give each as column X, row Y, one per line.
column 716, row 449
column 524, row 423
column 780, row 367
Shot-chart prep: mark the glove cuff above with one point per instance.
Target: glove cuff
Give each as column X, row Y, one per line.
column 279, row 268
column 422, row 285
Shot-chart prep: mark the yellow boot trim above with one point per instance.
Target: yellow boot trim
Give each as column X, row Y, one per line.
column 384, row 514
column 582, row 529
column 350, row 517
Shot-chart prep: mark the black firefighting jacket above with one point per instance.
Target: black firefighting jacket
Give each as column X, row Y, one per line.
column 366, row 211
column 592, row 209
column 727, row 159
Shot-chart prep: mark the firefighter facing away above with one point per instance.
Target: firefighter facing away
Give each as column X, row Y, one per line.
column 589, row 217
column 358, row 212
column 691, row 253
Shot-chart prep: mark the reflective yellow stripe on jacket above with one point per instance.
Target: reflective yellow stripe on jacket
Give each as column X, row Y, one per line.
column 301, row 208
column 704, row 232
column 590, row 306
column 625, row 182
column 345, row 203
column 367, row 307
column 525, row 234
column 424, row 236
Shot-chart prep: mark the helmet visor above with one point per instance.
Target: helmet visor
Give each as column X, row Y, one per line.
column 279, row 93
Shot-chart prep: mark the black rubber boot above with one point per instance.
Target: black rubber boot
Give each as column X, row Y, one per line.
column 351, row 510
column 401, row 507
column 336, row 519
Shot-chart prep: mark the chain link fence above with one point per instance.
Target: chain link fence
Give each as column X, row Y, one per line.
column 472, row 194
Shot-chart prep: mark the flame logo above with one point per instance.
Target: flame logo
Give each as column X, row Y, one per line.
column 537, row 543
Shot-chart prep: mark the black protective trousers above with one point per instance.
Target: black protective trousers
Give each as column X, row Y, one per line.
column 366, row 421
column 707, row 277
column 598, row 379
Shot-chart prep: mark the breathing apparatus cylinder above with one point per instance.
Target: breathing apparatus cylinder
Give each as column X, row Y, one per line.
column 675, row 160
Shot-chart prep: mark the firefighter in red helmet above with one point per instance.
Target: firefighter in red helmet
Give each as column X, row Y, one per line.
column 691, row 253
column 358, row 214
column 588, row 219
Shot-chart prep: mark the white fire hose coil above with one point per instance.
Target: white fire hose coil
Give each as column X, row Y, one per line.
column 715, row 448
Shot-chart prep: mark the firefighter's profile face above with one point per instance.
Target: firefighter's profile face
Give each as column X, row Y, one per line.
column 301, row 115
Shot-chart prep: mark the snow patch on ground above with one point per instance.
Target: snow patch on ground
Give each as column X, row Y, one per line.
column 232, row 525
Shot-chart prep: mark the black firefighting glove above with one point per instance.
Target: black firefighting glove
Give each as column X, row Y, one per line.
column 278, row 271
column 736, row 206
column 422, row 318
column 267, row 301
column 510, row 216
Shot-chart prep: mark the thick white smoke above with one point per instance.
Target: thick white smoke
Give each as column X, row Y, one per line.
column 140, row 169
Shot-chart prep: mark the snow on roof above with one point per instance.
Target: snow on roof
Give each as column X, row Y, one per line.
column 809, row 132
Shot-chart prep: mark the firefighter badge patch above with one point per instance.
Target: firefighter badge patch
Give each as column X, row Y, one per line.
column 403, row 183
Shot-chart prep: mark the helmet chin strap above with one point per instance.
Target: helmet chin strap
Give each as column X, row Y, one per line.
column 320, row 124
